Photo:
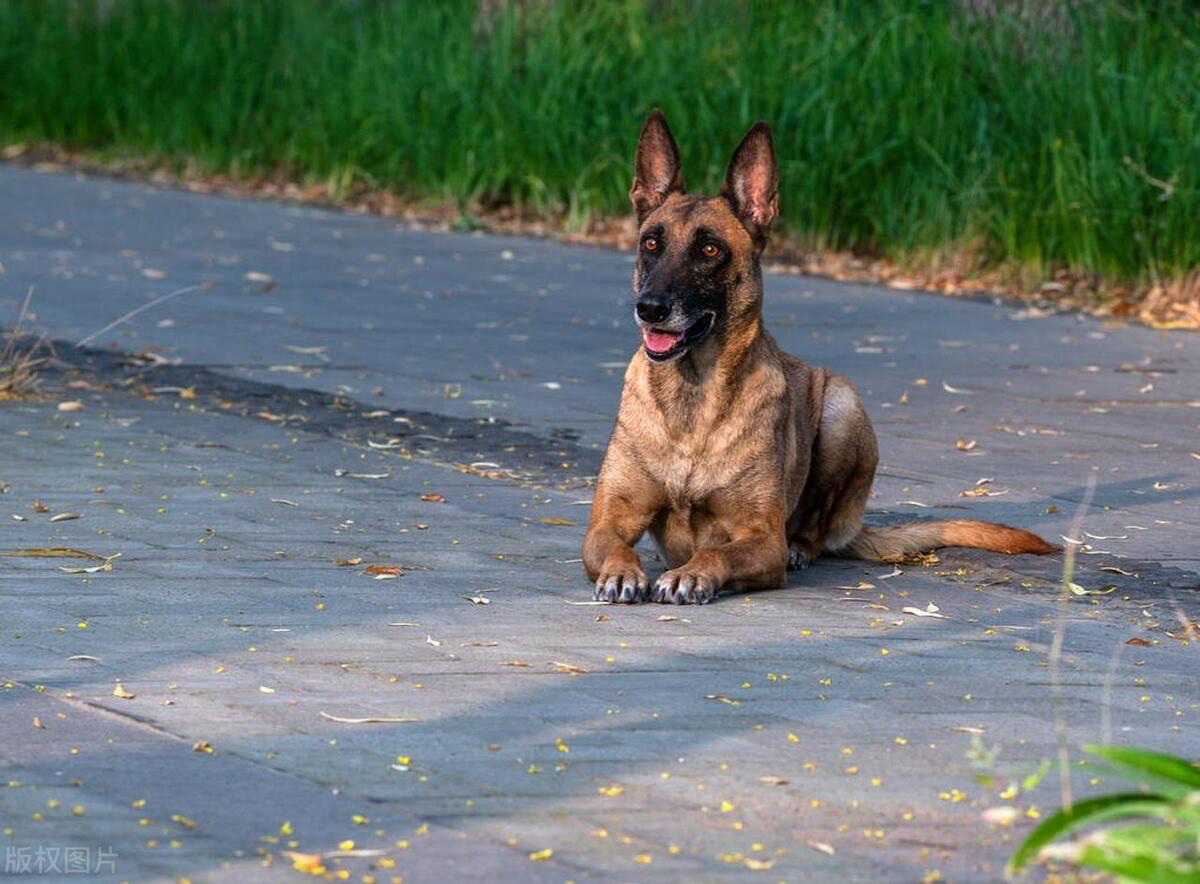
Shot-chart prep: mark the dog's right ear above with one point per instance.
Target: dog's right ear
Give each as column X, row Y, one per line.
column 656, row 170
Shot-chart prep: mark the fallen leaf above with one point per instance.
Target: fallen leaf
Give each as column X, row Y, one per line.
column 773, row 781
column 394, row 442
column 479, row 644
column 539, row 855
column 65, row 517
column 517, row 664
column 257, row 276
column 119, row 691
column 1190, row 632
column 962, row 445
column 1078, row 590
column 284, row 502
column 1137, row 640
column 556, row 520
column 349, row 563
column 430, row 640
column 478, row 599
column 37, row 722
column 721, row 698
column 341, row 720
column 54, row 552
column 384, row 571
column 950, row 389
column 94, row 569
column 611, row 791
column 202, row 746
column 305, row 862
column 568, row 667
column 931, row 610
column 862, row 584
column 983, row 491
column 822, row 847
column 432, row 497
column 758, row 865
column 1113, row 569
column 72, row 405
column 1004, row 815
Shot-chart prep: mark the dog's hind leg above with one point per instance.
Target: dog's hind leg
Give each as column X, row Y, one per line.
column 844, row 457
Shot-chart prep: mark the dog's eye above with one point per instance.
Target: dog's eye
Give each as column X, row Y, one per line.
column 710, row 250
column 650, row 244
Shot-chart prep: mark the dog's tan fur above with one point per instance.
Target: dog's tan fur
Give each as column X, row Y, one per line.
column 737, row 457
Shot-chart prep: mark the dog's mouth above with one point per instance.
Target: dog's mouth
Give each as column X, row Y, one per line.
column 663, row 344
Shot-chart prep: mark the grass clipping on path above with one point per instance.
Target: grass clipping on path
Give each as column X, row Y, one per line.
column 19, row 360
column 1038, row 154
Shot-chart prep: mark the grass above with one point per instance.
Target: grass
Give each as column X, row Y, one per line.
column 1158, row 841
column 20, row 359
column 906, row 129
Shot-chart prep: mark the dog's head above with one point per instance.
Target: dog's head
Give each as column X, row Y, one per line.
column 697, row 275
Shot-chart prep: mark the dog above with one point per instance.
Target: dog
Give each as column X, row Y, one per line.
column 741, row 460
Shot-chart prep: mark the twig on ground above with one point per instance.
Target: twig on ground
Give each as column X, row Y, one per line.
column 207, row 284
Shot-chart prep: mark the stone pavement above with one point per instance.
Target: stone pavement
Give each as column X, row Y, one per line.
column 350, row 394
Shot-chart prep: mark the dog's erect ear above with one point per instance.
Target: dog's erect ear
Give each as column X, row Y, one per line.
column 752, row 182
column 656, row 170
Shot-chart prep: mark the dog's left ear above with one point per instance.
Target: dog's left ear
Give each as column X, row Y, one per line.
column 752, row 183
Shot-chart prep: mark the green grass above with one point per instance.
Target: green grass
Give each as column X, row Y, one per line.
column 903, row 129
column 1147, row 836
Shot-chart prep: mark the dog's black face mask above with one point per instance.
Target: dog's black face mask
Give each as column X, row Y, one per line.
column 681, row 287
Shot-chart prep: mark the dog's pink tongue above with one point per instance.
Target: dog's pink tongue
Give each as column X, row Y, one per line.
column 660, row 341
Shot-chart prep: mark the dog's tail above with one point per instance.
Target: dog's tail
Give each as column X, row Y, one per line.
column 887, row 542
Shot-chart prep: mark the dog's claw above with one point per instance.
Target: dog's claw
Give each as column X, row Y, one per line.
column 684, row 588
column 631, row 590
column 797, row 561
column 621, row 588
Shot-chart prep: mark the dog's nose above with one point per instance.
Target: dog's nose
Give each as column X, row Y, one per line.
column 653, row 310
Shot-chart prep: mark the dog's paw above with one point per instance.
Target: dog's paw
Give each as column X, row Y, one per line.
column 797, row 560
column 626, row 587
column 684, row 587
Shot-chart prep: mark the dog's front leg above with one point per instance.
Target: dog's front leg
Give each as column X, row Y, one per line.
column 618, row 521
column 756, row 558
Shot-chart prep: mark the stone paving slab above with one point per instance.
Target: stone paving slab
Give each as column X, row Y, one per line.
column 810, row 734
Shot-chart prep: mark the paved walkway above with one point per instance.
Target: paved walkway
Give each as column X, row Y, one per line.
column 347, row 394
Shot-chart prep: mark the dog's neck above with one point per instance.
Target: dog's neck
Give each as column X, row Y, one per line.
column 708, row 376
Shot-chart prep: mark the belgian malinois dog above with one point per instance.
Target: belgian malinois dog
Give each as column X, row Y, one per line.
column 741, row 460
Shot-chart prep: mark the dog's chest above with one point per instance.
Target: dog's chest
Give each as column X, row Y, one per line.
column 692, row 466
